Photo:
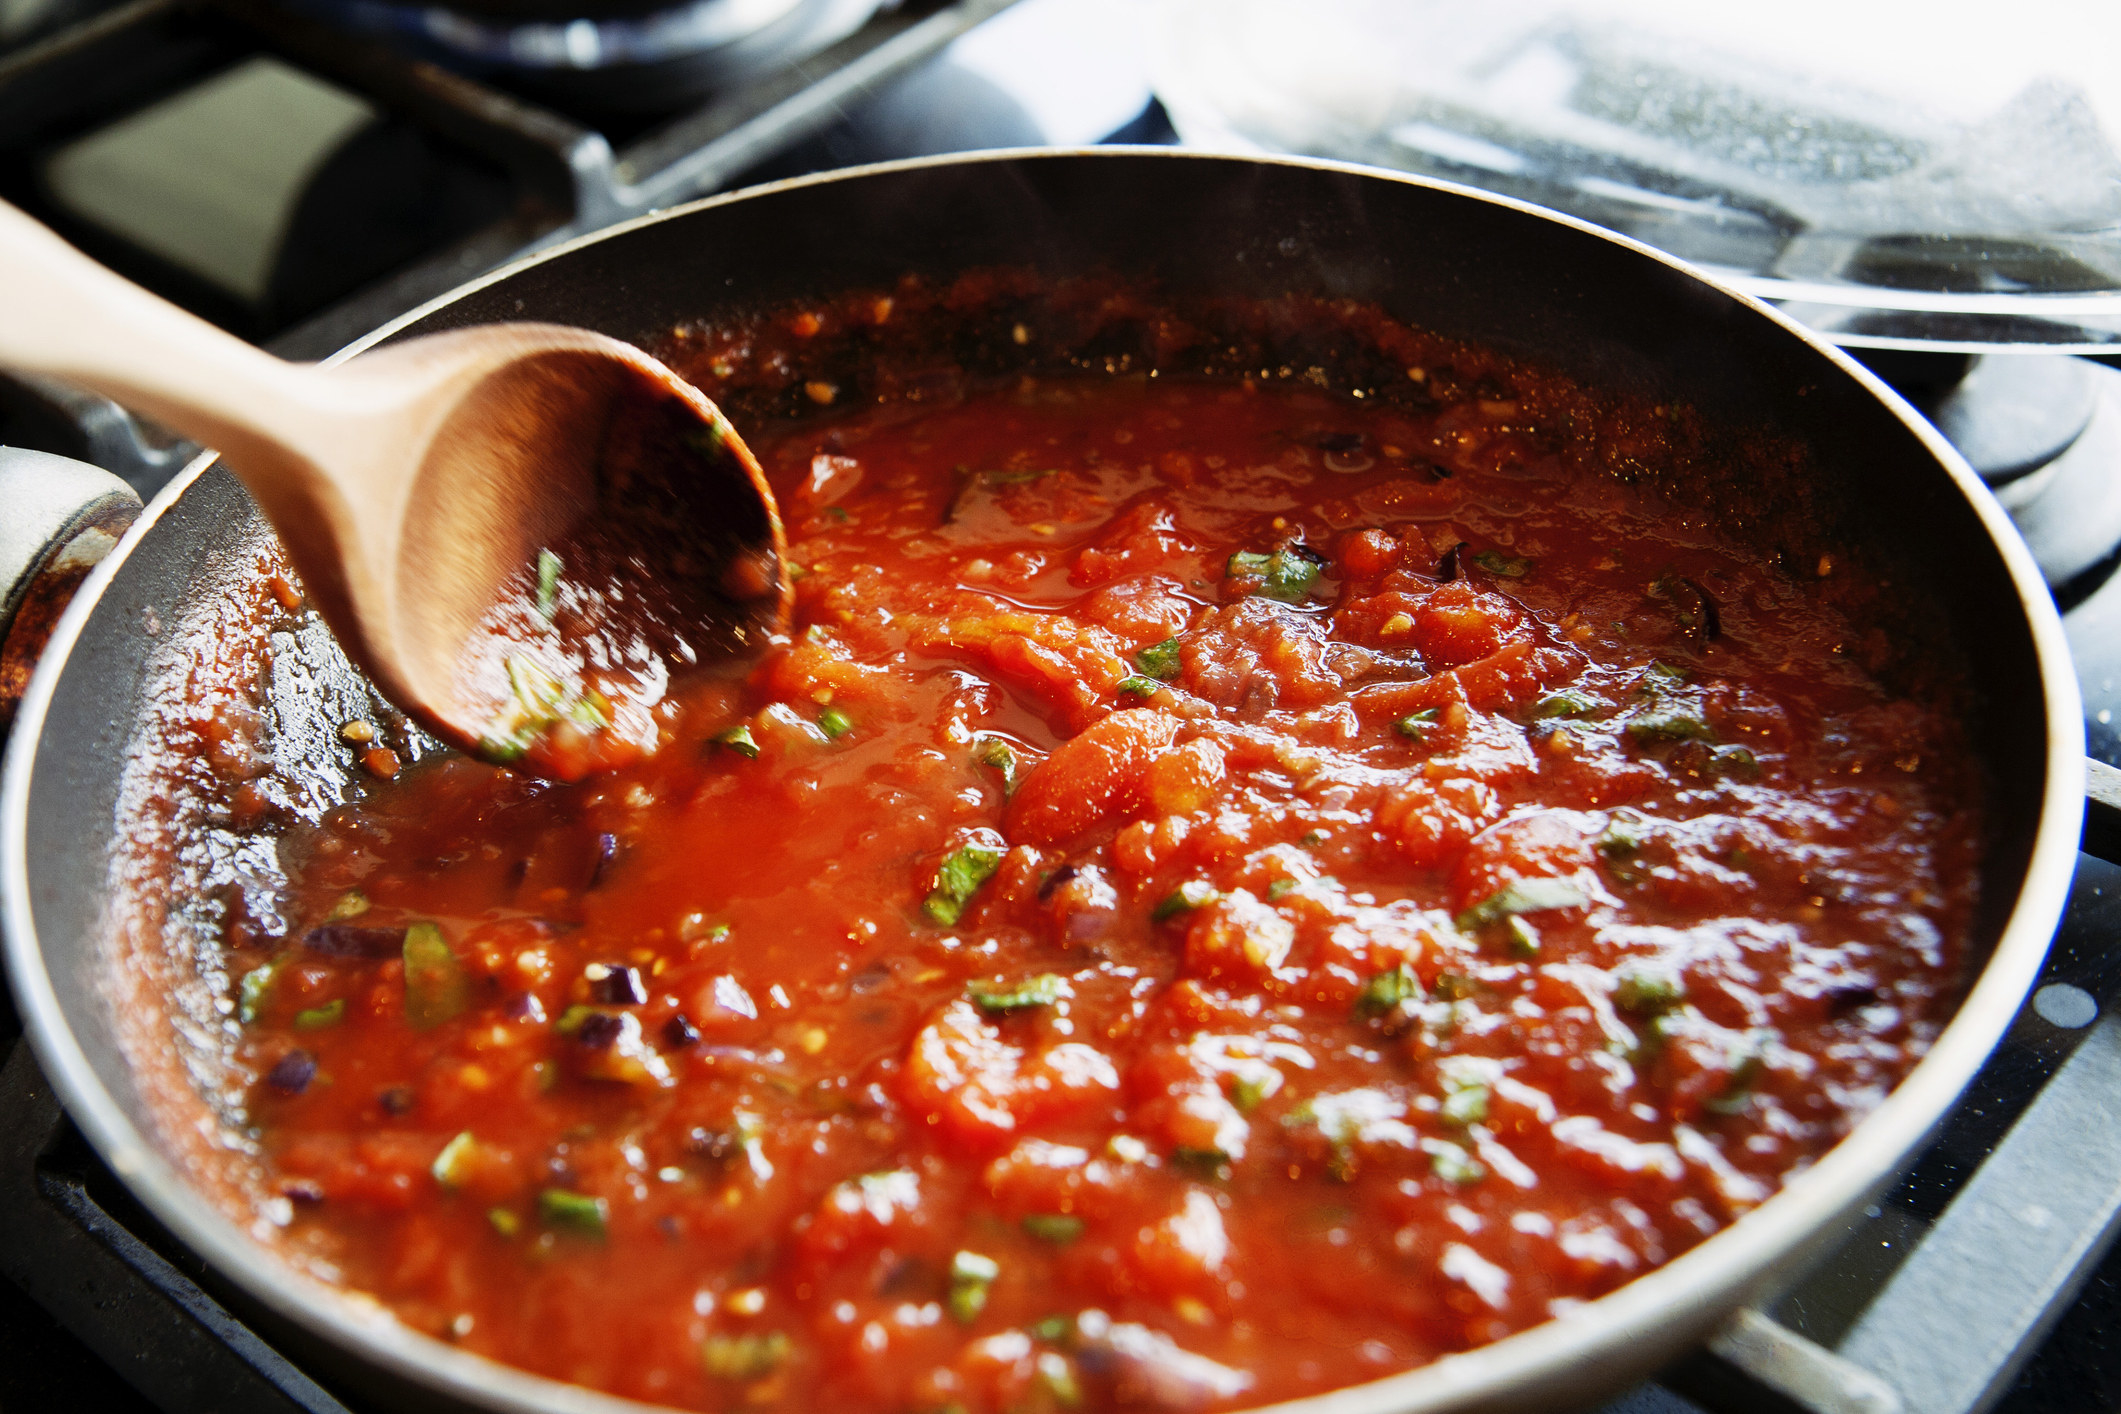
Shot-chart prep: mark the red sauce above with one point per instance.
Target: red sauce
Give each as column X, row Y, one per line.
column 1229, row 891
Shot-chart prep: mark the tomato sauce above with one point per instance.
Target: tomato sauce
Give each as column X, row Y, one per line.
column 1229, row 890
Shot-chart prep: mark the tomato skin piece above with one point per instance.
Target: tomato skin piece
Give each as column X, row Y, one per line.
column 1089, row 778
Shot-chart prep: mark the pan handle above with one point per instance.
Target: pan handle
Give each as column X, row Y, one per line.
column 63, row 516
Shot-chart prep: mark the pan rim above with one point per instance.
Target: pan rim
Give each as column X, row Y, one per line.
column 1651, row 1306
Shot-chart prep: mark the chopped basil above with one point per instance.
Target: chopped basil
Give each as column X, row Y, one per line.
column 835, row 723
column 1453, row 1164
column 1159, row 660
column 1246, row 1091
column 577, row 1212
column 253, row 989
column 1507, row 566
column 1286, row 574
column 971, row 1278
column 740, row 1358
column 1135, row 685
column 453, row 1165
column 1566, row 703
column 549, row 567
column 1415, row 725
column 436, row 986
column 1194, row 893
column 1387, row 990
column 1042, row 990
column 1669, row 724
column 1057, row 1228
column 740, row 740
column 959, row 879
column 1522, row 896
column 538, row 702
column 316, row 1018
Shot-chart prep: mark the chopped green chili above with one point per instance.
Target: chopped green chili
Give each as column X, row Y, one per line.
column 1057, row 1228
column 504, row 1221
column 971, row 1279
column 1646, row 989
column 1194, row 893
column 1058, row 1376
column 1387, row 990
column 1159, row 660
column 1522, row 896
column 740, row 740
column 1042, row 990
column 1281, row 889
column 1135, row 685
column 835, row 723
column 453, row 1165
column 549, row 568
column 1467, row 1103
column 577, row 1212
column 436, row 986
column 316, row 1018
column 959, row 879
column 1451, row 1163
column 1246, row 1091
column 1053, row 1329
column 351, row 904
column 252, row 991
column 1523, row 938
column 1622, row 835
column 1669, row 724
column 740, row 1358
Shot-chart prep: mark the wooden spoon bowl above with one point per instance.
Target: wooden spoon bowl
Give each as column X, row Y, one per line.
column 519, row 531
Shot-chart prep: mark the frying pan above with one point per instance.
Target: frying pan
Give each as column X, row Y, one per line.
column 109, row 1003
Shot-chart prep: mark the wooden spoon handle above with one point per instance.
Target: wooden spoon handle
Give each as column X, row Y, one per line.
column 63, row 314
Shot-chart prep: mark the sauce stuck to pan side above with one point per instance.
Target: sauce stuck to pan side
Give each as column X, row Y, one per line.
column 1230, row 889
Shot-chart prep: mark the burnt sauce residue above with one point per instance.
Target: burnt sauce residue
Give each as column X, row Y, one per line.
column 1275, row 847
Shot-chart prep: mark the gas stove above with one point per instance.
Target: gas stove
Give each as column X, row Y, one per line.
column 1982, row 1280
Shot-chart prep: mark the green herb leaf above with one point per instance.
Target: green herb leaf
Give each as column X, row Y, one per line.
column 740, row 740
column 971, row 1278
column 1507, row 566
column 1159, row 660
column 1415, row 726
column 743, row 1358
column 1042, row 990
column 577, row 1212
column 1669, row 724
column 1566, row 703
column 316, row 1018
column 1281, row 889
column 1736, row 761
column 959, row 879
column 1057, row 1228
column 1136, row 685
column 504, row 1222
column 437, row 988
column 453, row 1165
column 1194, row 893
column 995, row 752
column 549, row 568
column 1247, row 1091
column 1621, row 837
column 1285, row 574
column 1522, row 896
column 834, row 723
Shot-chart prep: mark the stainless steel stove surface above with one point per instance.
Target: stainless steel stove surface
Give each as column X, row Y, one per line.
column 1983, row 1280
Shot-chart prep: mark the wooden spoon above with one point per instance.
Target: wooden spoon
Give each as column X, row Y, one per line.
column 519, row 531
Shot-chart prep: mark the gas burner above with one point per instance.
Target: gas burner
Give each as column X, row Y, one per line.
column 613, row 55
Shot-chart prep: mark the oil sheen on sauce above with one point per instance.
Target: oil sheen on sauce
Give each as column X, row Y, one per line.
column 1227, row 892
